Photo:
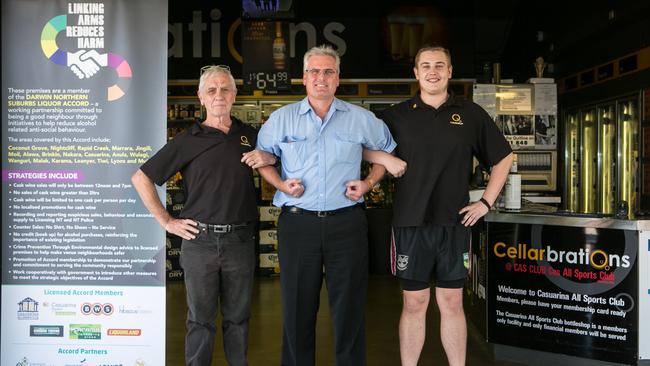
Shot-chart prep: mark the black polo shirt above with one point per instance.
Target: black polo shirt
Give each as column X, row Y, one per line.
column 218, row 187
column 438, row 145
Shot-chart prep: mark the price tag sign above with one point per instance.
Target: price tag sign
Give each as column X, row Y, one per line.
column 269, row 80
column 265, row 53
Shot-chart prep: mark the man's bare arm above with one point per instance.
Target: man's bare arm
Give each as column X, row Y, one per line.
column 184, row 228
column 394, row 165
column 474, row 211
column 293, row 187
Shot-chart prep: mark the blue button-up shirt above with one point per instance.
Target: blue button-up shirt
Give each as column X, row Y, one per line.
column 325, row 154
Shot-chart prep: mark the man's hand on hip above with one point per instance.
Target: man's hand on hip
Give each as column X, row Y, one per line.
column 473, row 213
column 185, row 228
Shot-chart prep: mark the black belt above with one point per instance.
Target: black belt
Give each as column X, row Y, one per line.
column 299, row 211
column 221, row 229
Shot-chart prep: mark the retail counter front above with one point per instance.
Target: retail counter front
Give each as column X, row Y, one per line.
column 578, row 286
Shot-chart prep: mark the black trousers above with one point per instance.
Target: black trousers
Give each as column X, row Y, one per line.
column 339, row 245
column 219, row 271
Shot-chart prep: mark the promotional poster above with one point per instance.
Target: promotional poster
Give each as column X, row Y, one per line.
column 83, row 278
column 571, row 290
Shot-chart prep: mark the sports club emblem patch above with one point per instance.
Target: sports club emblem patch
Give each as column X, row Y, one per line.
column 402, row 261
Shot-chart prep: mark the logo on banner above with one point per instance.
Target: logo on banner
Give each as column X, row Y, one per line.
column 46, row 331
column 85, row 331
column 125, row 309
column 597, row 259
column 81, row 363
column 84, row 25
column 28, row 309
column 124, row 332
column 61, row 309
column 585, row 269
column 402, row 261
column 25, row 362
column 96, row 309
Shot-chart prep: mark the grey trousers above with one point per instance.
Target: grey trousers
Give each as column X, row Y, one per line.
column 219, row 270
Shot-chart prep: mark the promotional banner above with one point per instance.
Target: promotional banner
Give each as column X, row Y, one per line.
column 83, row 106
column 570, row 290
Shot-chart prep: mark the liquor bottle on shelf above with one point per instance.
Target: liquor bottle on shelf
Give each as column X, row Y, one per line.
column 512, row 193
column 184, row 111
column 279, row 48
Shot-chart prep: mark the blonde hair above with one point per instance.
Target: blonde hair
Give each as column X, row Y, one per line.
column 432, row 49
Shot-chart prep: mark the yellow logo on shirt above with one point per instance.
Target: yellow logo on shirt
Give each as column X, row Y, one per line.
column 455, row 119
column 244, row 141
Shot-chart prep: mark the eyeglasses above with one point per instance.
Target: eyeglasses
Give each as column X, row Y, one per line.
column 316, row 72
column 211, row 67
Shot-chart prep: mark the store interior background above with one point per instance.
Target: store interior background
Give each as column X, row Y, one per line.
column 572, row 37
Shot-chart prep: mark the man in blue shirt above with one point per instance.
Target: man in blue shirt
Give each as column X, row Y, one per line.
column 320, row 141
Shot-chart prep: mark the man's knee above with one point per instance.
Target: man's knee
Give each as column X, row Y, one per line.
column 449, row 300
column 205, row 323
column 416, row 302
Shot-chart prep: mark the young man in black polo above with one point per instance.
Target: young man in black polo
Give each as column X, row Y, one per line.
column 437, row 134
column 217, row 223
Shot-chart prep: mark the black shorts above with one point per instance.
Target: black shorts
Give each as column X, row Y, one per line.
column 423, row 253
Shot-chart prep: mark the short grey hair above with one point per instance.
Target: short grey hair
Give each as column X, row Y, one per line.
column 323, row 50
column 214, row 70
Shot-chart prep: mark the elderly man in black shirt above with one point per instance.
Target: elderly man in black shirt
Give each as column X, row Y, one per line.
column 218, row 220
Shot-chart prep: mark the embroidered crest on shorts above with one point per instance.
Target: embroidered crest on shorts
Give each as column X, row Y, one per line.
column 402, row 261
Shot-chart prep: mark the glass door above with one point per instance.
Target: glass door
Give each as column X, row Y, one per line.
column 628, row 152
column 571, row 162
column 588, row 161
column 607, row 158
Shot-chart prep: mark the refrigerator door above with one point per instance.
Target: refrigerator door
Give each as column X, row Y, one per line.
column 607, row 159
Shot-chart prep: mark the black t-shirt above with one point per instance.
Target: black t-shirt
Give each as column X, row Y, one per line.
column 219, row 188
column 438, row 146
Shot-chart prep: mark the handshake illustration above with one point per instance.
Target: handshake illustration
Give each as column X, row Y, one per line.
column 86, row 63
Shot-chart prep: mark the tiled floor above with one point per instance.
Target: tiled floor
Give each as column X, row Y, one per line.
column 383, row 310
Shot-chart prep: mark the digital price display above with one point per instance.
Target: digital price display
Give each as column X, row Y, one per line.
column 269, row 80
